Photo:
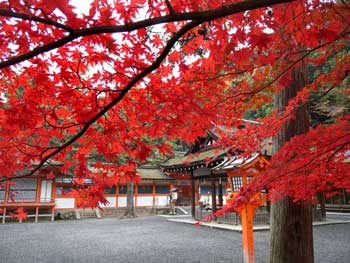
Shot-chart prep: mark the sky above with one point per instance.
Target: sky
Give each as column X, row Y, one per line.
column 82, row 6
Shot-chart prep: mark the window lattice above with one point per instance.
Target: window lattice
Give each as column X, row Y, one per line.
column 237, row 183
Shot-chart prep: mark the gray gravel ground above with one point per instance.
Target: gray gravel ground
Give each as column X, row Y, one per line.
column 148, row 239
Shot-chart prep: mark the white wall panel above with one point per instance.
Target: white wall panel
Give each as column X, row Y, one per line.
column 161, row 200
column 145, row 201
column 111, row 201
column 64, row 202
column 45, row 190
column 121, row 201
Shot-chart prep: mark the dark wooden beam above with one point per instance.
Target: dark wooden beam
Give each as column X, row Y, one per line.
column 220, row 193
column 213, row 193
column 193, row 197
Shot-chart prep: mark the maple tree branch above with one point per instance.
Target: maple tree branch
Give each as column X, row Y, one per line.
column 37, row 51
column 348, row 6
column 285, row 70
column 120, row 96
column 59, row 127
column 234, row 73
column 168, row 4
column 314, row 160
column 333, row 150
column 23, row 16
column 203, row 16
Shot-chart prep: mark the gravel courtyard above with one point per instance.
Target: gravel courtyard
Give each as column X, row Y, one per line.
column 148, row 239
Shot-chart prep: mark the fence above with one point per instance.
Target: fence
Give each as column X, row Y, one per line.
column 261, row 216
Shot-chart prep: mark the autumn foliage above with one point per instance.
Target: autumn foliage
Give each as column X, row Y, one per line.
column 119, row 80
column 19, row 214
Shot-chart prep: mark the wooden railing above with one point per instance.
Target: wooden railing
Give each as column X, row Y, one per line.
column 24, row 198
column 47, row 205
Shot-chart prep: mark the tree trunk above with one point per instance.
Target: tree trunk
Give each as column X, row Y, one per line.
column 291, row 238
column 322, row 202
column 130, row 211
column 345, row 199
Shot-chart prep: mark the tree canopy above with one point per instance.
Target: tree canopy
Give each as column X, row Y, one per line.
column 114, row 77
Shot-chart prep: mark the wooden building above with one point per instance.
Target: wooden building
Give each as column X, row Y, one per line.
column 152, row 191
column 34, row 194
column 42, row 197
column 204, row 174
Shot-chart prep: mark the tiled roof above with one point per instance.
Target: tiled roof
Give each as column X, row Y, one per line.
column 188, row 160
column 152, row 173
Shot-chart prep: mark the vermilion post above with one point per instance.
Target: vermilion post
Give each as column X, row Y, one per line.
column 247, row 215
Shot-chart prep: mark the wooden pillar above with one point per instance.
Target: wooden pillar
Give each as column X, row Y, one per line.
column 4, row 215
column 220, row 193
column 193, row 197
column 37, row 198
column 213, row 194
column 38, row 189
column 53, row 193
column 36, row 214
column 153, row 194
column 5, row 202
column 171, row 186
column 7, row 190
column 197, row 186
column 52, row 214
column 136, row 193
column 116, row 194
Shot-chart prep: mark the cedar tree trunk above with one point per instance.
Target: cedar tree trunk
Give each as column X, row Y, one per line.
column 291, row 238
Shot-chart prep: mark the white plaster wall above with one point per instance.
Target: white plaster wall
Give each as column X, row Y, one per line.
column 112, row 200
column 145, row 201
column 121, row 201
column 46, row 191
column 65, row 202
column 161, row 200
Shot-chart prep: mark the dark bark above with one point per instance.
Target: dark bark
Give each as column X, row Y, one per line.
column 345, row 199
column 130, row 210
column 291, row 237
column 322, row 202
